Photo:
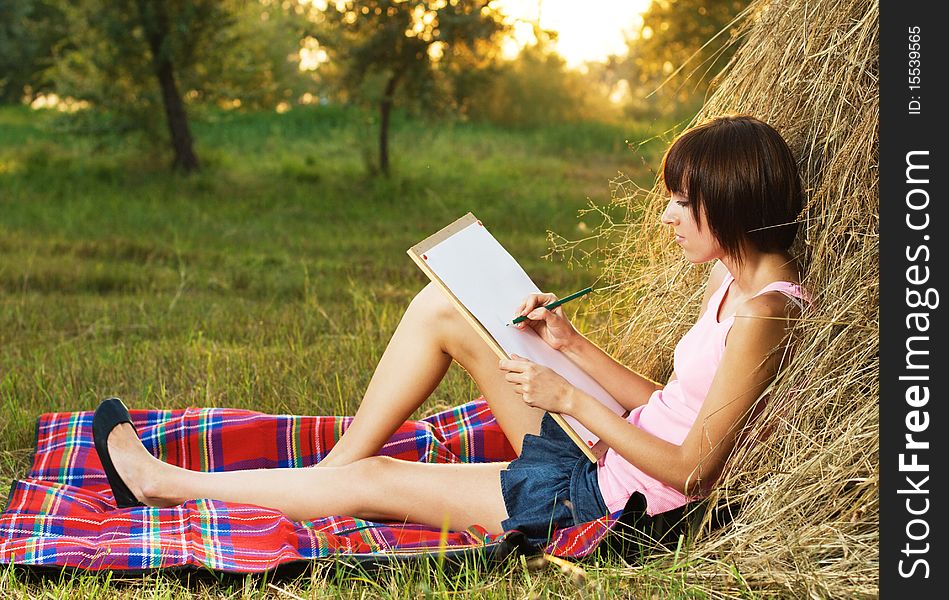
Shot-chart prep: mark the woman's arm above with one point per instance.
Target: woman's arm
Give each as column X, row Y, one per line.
column 749, row 364
column 628, row 387
column 747, row 368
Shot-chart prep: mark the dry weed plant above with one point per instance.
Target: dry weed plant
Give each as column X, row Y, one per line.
column 808, row 523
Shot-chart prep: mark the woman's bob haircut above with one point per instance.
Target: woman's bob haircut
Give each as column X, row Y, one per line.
column 739, row 174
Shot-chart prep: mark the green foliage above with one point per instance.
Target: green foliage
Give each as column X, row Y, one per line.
column 389, row 51
column 29, row 30
column 223, row 51
column 464, row 70
column 406, row 40
column 681, row 48
column 252, row 60
column 108, row 62
column 537, row 89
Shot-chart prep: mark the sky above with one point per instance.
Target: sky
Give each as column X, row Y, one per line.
column 588, row 30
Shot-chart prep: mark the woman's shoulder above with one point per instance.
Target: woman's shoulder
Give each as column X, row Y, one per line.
column 768, row 305
column 783, row 299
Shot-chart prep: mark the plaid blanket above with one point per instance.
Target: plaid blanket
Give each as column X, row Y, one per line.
column 63, row 513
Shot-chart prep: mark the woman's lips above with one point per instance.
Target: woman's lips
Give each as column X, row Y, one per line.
column 679, row 239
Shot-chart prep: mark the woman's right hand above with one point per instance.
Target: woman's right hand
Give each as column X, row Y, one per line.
column 551, row 325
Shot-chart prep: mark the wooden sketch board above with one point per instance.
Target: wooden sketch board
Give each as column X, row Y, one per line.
column 486, row 284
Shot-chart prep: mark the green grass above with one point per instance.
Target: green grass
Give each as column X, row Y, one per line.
column 270, row 280
column 519, row 578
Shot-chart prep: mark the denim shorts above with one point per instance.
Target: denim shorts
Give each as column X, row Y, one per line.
column 550, row 486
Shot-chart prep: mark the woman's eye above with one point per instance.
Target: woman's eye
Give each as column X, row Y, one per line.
column 682, row 202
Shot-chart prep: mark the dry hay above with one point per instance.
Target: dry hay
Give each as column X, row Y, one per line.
column 809, row 520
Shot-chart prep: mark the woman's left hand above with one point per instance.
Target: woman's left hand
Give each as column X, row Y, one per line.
column 539, row 386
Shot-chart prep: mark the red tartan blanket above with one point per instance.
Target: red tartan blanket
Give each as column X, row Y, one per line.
column 62, row 513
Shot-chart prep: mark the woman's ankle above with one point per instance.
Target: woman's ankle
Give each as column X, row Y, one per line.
column 160, row 486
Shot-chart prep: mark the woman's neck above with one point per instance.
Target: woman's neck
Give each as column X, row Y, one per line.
column 758, row 269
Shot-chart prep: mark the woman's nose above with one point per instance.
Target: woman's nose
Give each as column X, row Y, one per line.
column 667, row 217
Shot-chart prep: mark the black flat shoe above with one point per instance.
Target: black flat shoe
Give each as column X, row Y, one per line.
column 110, row 414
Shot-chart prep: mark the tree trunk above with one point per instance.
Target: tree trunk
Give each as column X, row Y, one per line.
column 181, row 140
column 155, row 24
column 385, row 110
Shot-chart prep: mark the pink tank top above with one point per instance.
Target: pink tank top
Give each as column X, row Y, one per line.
column 671, row 411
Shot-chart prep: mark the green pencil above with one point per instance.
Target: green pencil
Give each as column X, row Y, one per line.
column 557, row 303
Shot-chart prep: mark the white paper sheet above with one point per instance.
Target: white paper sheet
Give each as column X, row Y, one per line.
column 491, row 284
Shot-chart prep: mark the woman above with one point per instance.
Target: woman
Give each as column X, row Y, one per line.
column 734, row 198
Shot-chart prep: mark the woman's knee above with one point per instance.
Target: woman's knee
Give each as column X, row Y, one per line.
column 432, row 302
column 438, row 316
column 374, row 466
column 455, row 334
column 375, row 472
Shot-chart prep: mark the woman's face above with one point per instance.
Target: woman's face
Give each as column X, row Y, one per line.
column 697, row 242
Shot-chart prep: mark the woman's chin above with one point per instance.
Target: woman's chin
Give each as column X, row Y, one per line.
column 697, row 258
column 692, row 258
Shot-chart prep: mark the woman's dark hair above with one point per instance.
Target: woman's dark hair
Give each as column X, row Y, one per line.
column 741, row 171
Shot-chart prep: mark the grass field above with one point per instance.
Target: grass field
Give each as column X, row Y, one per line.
column 270, row 280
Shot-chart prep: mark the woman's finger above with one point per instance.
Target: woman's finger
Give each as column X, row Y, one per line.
column 533, row 301
column 544, row 300
column 514, row 366
column 540, row 315
column 528, row 304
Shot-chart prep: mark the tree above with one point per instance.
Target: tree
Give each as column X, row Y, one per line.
column 536, row 88
column 383, row 47
column 124, row 51
column 142, row 60
column 29, row 29
column 153, row 17
column 682, row 45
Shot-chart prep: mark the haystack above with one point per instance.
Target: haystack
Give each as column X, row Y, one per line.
column 808, row 524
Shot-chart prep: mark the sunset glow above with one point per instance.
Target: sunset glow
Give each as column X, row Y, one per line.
column 587, row 31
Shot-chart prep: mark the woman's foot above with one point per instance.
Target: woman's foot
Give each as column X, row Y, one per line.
column 145, row 475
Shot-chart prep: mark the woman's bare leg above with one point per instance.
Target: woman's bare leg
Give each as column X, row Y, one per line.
column 377, row 488
column 430, row 334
